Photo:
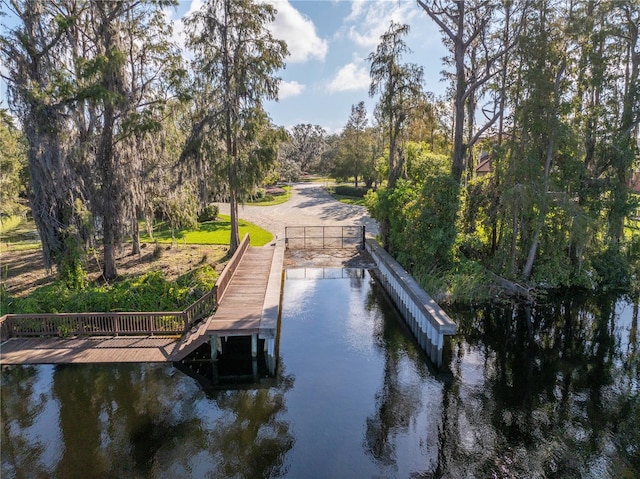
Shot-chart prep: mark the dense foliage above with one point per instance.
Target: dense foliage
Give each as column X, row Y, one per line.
column 149, row 292
column 12, row 169
column 550, row 206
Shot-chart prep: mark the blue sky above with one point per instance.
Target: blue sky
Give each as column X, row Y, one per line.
column 329, row 41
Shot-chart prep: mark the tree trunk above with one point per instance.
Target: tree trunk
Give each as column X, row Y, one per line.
column 626, row 143
column 234, row 242
column 109, row 271
column 459, row 147
column 533, row 249
column 135, row 235
column 105, row 160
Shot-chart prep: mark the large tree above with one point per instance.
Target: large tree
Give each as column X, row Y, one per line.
column 32, row 51
column 237, row 58
column 400, row 87
column 468, row 27
column 86, row 80
column 354, row 145
column 305, row 146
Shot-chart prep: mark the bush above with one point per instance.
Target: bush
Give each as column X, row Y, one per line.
column 209, row 213
column 6, row 301
column 346, row 190
column 612, row 267
column 199, row 281
column 149, row 292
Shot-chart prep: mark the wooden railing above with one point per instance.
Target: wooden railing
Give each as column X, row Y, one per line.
column 133, row 323
column 93, row 324
column 229, row 271
column 201, row 308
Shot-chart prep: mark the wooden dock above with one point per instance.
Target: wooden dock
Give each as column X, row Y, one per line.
column 240, row 310
column 95, row 349
column 245, row 308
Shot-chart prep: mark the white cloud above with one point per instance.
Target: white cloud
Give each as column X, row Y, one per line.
column 350, row 77
column 356, row 10
column 299, row 32
column 290, row 89
column 369, row 20
column 179, row 36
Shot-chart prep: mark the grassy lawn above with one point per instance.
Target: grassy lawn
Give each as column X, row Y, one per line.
column 345, row 198
column 210, row 232
column 17, row 234
column 273, row 200
column 317, row 179
column 350, row 200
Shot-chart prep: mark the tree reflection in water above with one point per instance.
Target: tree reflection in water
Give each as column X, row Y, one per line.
column 18, row 411
column 544, row 391
column 397, row 403
column 139, row 421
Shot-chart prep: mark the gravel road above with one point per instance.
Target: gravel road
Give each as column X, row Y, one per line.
column 310, row 205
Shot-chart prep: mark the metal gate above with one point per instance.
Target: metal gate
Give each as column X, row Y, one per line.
column 324, row 237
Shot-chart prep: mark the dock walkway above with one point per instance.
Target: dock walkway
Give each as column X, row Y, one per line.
column 246, row 308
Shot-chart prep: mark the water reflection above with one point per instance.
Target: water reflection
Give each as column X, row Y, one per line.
column 18, row 411
column 397, row 403
column 138, row 421
column 546, row 391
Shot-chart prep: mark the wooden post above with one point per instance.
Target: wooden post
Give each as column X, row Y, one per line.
column 214, row 347
column 254, row 369
column 254, row 346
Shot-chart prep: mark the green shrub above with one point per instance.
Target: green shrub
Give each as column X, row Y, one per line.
column 199, row 281
column 209, row 213
column 149, row 292
column 346, row 190
column 613, row 270
column 6, row 301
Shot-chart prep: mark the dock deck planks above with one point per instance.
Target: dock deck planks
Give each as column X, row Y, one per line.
column 240, row 309
column 134, row 349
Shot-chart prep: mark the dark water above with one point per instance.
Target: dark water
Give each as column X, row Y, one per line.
column 545, row 392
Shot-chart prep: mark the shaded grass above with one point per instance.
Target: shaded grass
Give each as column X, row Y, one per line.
column 210, row 232
column 350, row 200
column 18, row 233
column 272, row 200
column 9, row 223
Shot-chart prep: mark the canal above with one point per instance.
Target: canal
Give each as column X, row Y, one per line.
column 550, row 391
